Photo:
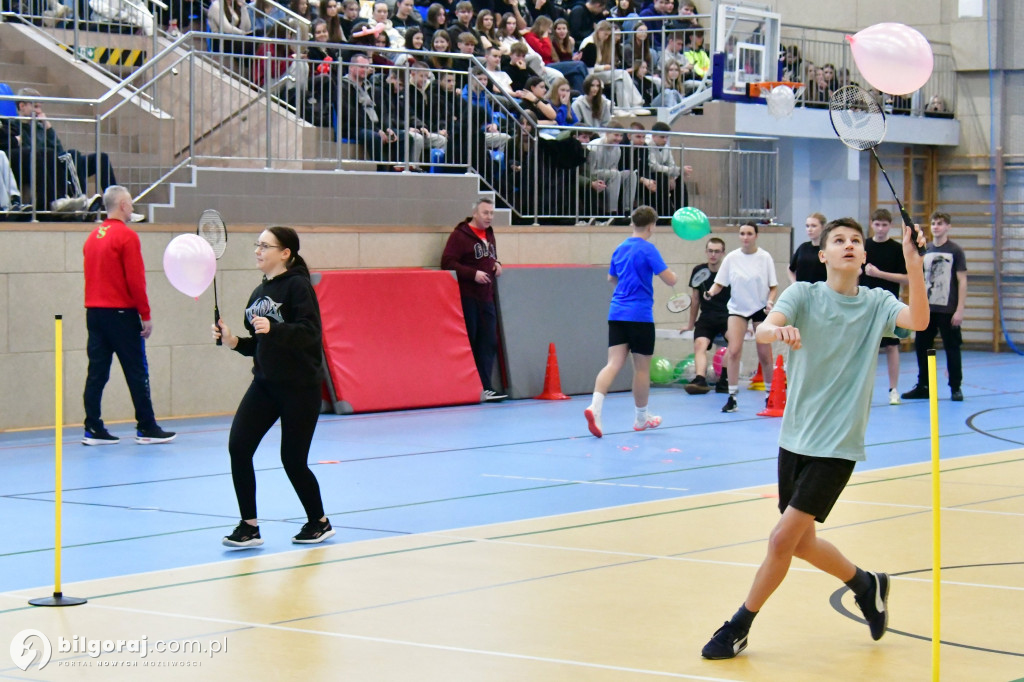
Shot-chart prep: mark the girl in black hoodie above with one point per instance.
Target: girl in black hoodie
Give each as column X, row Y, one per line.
column 284, row 319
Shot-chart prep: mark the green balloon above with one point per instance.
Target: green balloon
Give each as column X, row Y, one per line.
column 661, row 370
column 685, row 370
column 690, row 223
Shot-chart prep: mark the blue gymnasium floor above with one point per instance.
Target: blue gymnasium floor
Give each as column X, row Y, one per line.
column 131, row 509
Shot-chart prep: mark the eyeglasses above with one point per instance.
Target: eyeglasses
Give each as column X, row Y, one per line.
column 263, row 246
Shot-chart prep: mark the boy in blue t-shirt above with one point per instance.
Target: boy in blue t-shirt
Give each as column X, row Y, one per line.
column 833, row 329
column 631, row 319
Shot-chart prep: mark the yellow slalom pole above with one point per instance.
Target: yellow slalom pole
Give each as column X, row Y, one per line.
column 933, row 403
column 59, row 444
column 58, row 598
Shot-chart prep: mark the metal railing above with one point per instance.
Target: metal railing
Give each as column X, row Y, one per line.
column 258, row 107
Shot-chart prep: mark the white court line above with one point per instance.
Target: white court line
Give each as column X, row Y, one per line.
column 928, row 507
column 713, row 562
column 568, row 480
column 402, row 642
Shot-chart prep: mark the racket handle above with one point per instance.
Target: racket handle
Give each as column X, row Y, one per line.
column 216, row 323
column 909, row 222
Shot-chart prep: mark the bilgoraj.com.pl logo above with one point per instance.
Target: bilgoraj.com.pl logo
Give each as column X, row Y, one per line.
column 33, row 647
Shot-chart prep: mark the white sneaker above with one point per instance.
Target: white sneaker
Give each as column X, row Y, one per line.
column 69, row 204
column 493, row 396
column 653, row 422
column 137, row 218
column 894, row 397
column 593, row 421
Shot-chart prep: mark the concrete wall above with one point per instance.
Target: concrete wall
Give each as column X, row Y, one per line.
column 41, row 276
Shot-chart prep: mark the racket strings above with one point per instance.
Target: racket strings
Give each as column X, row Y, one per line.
column 213, row 230
column 857, row 117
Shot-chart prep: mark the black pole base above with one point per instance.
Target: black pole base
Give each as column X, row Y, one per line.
column 58, row 599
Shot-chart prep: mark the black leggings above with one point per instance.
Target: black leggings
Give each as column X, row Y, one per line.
column 298, row 407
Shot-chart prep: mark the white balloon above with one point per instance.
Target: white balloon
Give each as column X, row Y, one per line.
column 781, row 101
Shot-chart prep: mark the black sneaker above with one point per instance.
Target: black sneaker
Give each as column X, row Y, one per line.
column 730, row 404
column 873, row 605
column 957, row 396
column 313, row 532
column 153, row 436
column 725, row 643
column 918, row 392
column 723, row 382
column 99, row 437
column 699, row 386
column 244, row 535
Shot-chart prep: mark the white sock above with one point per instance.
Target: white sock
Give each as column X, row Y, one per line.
column 597, row 402
column 767, row 388
column 641, row 414
column 733, row 390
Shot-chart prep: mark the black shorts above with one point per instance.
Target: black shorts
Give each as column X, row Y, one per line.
column 756, row 317
column 638, row 336
column 888, row 341
column 710, row 327
column 811, row 484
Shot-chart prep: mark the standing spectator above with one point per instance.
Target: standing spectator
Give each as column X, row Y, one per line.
column 945, row 273
column 713, row 319
column 750, row 272
column 46, row 140
column 583, row 18
column 885, row 268
column 472, row 253
column 592, row 108
column 633, row 266
column 283, row 318
column 806, row 265
column 117, row 317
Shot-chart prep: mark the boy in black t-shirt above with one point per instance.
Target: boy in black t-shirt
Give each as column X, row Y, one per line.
column 886, row 269
column 945, row 273
column 714, row 315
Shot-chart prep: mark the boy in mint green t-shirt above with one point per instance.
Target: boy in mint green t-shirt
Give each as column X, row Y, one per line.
column 833, row 329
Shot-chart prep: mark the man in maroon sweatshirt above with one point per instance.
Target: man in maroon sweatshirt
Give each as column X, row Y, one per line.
column 473, row 255
column 117, row 318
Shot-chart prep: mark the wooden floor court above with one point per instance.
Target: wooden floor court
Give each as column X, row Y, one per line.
column 622, row 590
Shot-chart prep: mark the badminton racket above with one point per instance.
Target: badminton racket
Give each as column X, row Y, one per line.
column 213, row 230
column 859, row 122
column 678, row 302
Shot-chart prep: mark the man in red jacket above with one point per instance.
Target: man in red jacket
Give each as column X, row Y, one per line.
column 473, row 255
column 117, row 317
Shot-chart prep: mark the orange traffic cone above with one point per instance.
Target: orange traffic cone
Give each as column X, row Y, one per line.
column 757, row 381
column 777, row 398
column 552, row 381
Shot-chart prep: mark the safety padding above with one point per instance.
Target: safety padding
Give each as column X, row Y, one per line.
column 562, row 304
column 395, row 339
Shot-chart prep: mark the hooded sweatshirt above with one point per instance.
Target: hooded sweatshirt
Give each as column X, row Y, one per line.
column 292, row 351
column 465, row 253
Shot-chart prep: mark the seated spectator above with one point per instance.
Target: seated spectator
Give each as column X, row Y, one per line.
column 603, row 162
column 118, row 11
column 389, row 101
column 583, row 19
column 592, row 108
column 481, row 114
column 625, row 9
column 492, row 64
column 263, row 15
column 636, row 158
column 50, row 185
column 335, row 31
column 383, row 40
column 487, row 30
column 601, row 51
column 414, row 40
column 10, row 195
column 793, row 66
column 45, row 139
column 697, row 57
column 405, row 17
column 434, row 23
column 562, row 42
column 661, row 20
column 936, row 108
column 349, row 17
column 562, row 102
column 429, row 115
column 646, row 86
column 509, row 32
column 665, row 171
column 638, row 47
column 533, row 99
column 464, row 24
column 674, row 51
column 230, row 17
column 673, row 86
column 440, row 43
column 304, row 10
column 539, row 40
column 359, row 119
column 380, row 18
column 517, row 68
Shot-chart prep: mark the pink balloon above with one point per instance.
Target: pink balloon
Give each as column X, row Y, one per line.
column 719, row 360
column 894, row 58
column 190, row 264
